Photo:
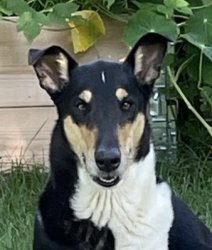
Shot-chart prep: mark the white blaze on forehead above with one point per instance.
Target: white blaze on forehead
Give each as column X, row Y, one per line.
column 86, row 96
column 103, row 77
column 121, row 94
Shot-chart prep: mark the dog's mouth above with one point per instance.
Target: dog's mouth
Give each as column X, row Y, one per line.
column 107, row 181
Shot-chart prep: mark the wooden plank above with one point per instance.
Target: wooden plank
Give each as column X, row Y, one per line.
column 22, row 90
column 14, row 46
column 25, row 134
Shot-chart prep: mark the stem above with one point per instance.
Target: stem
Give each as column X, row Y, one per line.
column 181, row 16
column 200, row 70
column 182, row 66
column 181, row 24
column 200, row 7
column 200, row 80
column 190, row 107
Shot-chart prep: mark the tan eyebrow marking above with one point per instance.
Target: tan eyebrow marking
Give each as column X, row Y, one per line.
column 121, row 94
column 86, row 96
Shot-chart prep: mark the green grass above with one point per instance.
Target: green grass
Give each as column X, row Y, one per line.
column 190, row 177
column 19, row 193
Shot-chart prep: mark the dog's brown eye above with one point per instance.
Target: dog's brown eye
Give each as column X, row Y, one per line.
column 81, row 106
column 126, row 105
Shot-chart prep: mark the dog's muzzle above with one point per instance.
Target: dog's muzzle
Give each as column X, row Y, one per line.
column 107, row 161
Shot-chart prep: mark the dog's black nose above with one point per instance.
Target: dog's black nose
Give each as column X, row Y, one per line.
column 108, row 159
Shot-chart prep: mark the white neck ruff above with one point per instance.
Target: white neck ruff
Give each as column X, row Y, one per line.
column 138, row 211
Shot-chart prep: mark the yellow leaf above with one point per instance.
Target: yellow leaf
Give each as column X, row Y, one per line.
column 87, row 30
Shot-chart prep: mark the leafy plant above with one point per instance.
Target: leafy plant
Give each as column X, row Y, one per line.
column 190, row 27
column 187, row 22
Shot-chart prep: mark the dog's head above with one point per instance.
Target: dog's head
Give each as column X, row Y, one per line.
column 102, row 105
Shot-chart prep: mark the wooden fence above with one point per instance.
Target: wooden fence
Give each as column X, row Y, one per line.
column 27, row 115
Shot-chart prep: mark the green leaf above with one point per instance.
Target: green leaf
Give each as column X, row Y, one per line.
column 143, row 22
column 18, row 7
column 61, row 12
column 176, row 3
column 109, row 3
column 165, row 10
column 84, row 34
column 206, row 93
column 5, row 11
column 185, row 10
column 207, row 50
column 193, row 69
column 31, row 23
column 198, row 30
column 147, row 6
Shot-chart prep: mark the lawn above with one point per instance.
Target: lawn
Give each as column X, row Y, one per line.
column 190, row 177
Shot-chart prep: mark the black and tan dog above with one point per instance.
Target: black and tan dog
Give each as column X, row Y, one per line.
column 102, row 192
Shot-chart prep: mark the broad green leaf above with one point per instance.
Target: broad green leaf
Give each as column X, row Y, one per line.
column 206, row 92
column 84, row 34
column 147, row 6
column 193, row 69
column 150, row 1
column 18, row 7
column 207, row 50
column 143, row 22
column 176, row 3
column 198, row 30
column 5, row 11
column 109, row 3
column 180, row 6
column 185, row 10
column 31, row 23
column 195, row 2
column 165, row 10
column 61, row 12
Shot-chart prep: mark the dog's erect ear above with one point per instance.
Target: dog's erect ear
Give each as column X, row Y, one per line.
column 52, row 66
column 146, row 57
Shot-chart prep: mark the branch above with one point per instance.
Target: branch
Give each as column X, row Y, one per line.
column 189, row 105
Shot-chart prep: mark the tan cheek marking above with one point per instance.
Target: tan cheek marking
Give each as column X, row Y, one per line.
column 130, row 134
column 86, row 96
column 121, row 94
column 81, row 139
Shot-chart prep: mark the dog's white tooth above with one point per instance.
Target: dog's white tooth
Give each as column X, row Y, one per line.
column 106, row 180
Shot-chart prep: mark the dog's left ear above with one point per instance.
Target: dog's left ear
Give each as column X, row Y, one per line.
column 146, row 58
column 53, row 67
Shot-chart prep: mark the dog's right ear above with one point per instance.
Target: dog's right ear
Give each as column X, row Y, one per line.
column 146, row 58
column 53, row 67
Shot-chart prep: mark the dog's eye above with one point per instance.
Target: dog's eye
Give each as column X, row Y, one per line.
column 81, row 106
column 126, row 105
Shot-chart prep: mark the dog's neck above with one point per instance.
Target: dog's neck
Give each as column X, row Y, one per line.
column 131, row 209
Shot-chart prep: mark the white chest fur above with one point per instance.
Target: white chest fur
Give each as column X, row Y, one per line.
column 138, row 211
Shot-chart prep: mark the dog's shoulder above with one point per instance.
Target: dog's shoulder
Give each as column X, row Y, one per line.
column 187, row 231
